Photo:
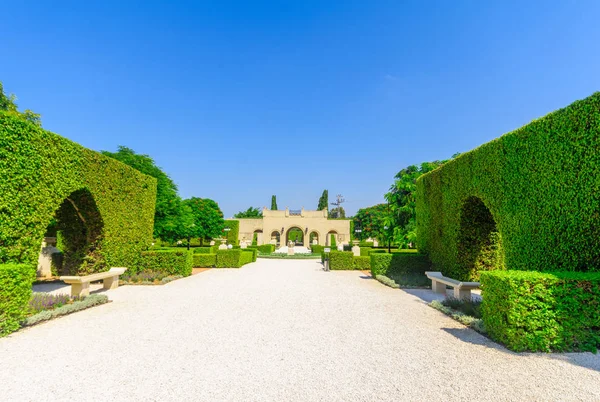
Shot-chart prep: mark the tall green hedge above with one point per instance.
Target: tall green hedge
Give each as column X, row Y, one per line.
column 47, row 176
column 15, row 292
column 202, row 260
column 234, row 233
column 533, row 311
column 341, row 260
column 170, row 262
column 528, row 200
column 400, row 263
column 362, row 263
column 253, row 251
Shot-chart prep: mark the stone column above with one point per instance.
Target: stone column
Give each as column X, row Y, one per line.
column 355, row 248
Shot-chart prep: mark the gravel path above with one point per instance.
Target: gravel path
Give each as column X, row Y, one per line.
column 276, row 331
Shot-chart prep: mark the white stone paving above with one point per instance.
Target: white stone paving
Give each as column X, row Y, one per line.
column 276, row 330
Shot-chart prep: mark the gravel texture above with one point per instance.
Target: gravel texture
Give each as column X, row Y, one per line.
column 277, row 330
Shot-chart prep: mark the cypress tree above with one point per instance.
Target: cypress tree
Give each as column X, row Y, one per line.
column 323, row 201
column 273, row 203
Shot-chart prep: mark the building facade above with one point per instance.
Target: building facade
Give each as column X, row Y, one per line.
column 275, row 227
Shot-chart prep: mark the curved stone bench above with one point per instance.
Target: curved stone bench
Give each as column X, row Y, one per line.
column 462, row 290
column 80, row 285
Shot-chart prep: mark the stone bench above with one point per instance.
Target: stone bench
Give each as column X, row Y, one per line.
column 462, row 290
column 80, row 285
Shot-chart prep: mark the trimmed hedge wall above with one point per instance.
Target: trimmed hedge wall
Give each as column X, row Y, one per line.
column 171, row 262
column 233, row 258
column 365, row 251
column 341, row 260
column 265, row 248
column 205, row 260
column 204, row 250
column 15, row 292
column 538, row 185
column 533, row 311
column 233, row 234
column 44, row 173
column 400, row 263
column 362, row 263
column 253, row 251
column 316, row 249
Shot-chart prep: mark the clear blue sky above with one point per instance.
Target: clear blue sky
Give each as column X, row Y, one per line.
column 240, row 100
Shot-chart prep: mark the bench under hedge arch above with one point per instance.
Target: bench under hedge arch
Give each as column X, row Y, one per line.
column 542, row 185
column 43, row 173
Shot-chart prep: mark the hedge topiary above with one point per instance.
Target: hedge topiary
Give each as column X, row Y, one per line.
column 526, row 201
column 203, row 250
column 245, row 258
column 533, row 311
column 15, row 292
column 253, row 251
column 266, row 248
column 46, row 176
column 364, row 251
column 205, row 260
column 233, row 234
column 362, row 263
column 171, row 262
column 316, row 249
column 228, row 258
column 341, row 260
column 400, row 263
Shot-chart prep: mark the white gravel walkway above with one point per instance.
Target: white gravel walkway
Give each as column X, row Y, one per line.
column 276, row 330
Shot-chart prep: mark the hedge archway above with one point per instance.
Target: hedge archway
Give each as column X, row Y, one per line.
column 479, row 241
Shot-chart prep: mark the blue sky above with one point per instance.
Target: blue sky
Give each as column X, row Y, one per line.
column 239, row 100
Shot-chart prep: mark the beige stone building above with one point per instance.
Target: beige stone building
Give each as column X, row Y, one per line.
column 276, row 226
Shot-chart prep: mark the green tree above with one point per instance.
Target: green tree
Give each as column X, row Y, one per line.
column 401, row 199
column 168, row 213
column 9, row 106
column 207, row 216
column 323, row 201
column 249, row 213
column 273, row 203
column 372, row 222
column 337, row 213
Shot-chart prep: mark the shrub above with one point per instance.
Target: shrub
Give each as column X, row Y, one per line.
column 205, row 260
column 387, row 281
column 142, row 278
column 45, row 315
column 15, row 292
column 266, row 248
column 542, row 311
column 245, row 258
column 48, row 176
column 170, row 262
column 364, row 251
column 233, row 234
column 228, row 259
column 341, row 260
column 368, row 244
column 204, row 250
column 362, row 263
column 525, row 201
column 333, row 241
column 316, row 249
column 45, row 301
column 396, row 264
column 253, row 251
column 377, row 250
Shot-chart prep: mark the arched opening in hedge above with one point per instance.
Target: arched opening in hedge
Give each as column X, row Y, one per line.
column 479, row 241
column 78, row 227
column 296, row 235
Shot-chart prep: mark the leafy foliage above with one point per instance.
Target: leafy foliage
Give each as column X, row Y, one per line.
column 8, row 106
column 341, row 260
column 323, row 201
column 207, row 218
column 533, row 311
column 232, row 258
column 337, row 213
column 15, row 293
column 171, row 262
column 45, row 170
column 372, row 222
column 234, row 232
column 273, row 203
column 251, row 212
column 402, row 204
column 362, row 263
column 540, row 184
column 167, row 214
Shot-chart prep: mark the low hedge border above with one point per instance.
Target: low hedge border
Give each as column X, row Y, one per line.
column 234, row 258
column 399, row 263
column 476, row 324
column 542, row 312
column 205, row 260
column 15, row 292
column 253, row 251
column 264, row 248
column 89, row 301
column 281, row 256
column 171, row 262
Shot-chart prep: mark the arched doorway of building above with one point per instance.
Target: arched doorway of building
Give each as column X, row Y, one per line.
column 295, row 235
column 313, row 238
column 276, row 236
column 332, row 238
column 257, row 237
